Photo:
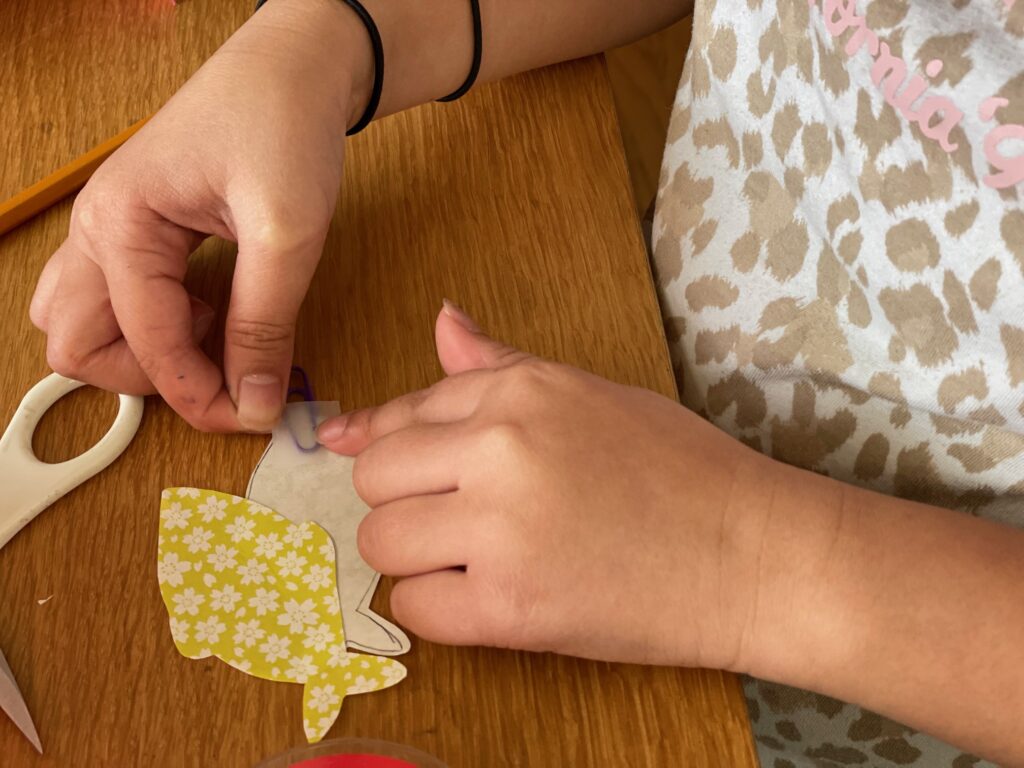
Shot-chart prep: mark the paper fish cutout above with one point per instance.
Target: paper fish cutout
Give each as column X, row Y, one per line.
column 244, row 584
column 308, row 482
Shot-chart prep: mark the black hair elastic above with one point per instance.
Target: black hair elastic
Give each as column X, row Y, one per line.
column 378, row 63
column 478, row 54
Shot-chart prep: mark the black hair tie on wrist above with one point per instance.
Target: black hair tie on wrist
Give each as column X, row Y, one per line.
column 478, row 54
column 378, row 63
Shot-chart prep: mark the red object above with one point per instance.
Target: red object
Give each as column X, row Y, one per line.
column 354, row 761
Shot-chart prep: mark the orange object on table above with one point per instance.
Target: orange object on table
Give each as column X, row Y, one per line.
column 61, row 183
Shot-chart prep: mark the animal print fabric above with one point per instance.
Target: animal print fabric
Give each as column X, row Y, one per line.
column 839, row 250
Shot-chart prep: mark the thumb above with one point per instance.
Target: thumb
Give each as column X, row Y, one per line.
column 259, row 332
column 462, row 346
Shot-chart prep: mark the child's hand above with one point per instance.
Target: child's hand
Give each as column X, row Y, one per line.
column 590, row 518
column 250, row 149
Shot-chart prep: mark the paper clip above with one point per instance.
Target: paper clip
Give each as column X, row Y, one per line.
column 303, row 430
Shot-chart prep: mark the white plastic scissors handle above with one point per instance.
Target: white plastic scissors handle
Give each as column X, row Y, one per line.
column 29, row 485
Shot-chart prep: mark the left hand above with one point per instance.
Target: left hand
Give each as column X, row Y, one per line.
column 249, row 150
column 532, row 505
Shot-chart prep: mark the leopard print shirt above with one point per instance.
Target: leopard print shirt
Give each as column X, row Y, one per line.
column 839, row 250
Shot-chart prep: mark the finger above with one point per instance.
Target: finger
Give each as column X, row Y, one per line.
column 449, row 400
column 417, row 535
column 84, row 340
column 39, row 309
column 42, row 297
column 155, row 315
column 271, row 280
column 467, row 355
column 462, row 346
column 439, row 607
column 416, row 461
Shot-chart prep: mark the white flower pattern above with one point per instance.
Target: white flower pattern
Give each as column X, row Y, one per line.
column 275, row 647
column 209, row 631
column 241, row 529
column 253, row 572
column 225, row 599
column 297, row 615
column 264, row 601
column 298, row 535
column 363, row 684
column 170, row 568
column 291, row 564
column 198, row 540
column 247, row 633
column 331, row 603
column 222, row 557
column 318, row 638
column 244, row 584
column 318, row 577
column 339, row 657
column 188, row 602
column 213, row 509
column 176, row 516
column 179, row 630
column 268, row 545
column 323, row 698
column 302, row 669
column 393, row 673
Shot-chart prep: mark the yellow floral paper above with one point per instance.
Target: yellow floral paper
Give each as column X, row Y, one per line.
column 259, row 592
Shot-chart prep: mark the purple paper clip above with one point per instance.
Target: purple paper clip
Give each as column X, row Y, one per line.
column 303, row 431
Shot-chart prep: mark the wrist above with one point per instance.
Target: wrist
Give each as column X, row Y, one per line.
column 797, row 623
column 327, row 44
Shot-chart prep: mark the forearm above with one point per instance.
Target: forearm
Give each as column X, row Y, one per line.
column 912, row 611
column 428, row 46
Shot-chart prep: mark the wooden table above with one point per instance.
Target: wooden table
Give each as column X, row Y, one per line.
column 531, row 229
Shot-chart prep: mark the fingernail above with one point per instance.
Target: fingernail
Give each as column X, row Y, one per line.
column 260, row 401
column 332, row 430
column 455, row 313
column 201, row 325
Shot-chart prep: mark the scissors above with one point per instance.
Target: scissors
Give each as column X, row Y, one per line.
column 30, row 486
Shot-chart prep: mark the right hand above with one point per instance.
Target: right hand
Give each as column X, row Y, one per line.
column 251, row 150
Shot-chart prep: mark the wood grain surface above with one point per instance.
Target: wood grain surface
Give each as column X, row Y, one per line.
column 514, row 203
column 645, row 79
